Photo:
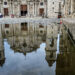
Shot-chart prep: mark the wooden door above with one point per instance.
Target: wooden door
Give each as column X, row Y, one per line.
column 24, row 27
column 23, row 7
column 41, row 11
column 23, row 10
column 5, row 11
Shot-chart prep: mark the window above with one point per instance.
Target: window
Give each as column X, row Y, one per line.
column 6, row 25
column 41, row 3
column 41, row 26
column 5, row 3
column 7, row 32
column 5, row 11
column 24, row 27
column 53, row 2
column 41, row 31
column 23, row 10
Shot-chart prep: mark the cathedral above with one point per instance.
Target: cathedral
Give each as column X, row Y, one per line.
column 29, row 8
column 69, row 8
column 37, row 8
column 24, row 8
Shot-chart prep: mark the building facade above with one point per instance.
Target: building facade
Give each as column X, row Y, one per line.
column 53, row 8
column 30, row 8
column 23, row 8
column 69, row 8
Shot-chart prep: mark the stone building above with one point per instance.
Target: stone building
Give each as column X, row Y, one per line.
column 23, row 8
column 30, row 8
column 53, row 8
column 69, row 8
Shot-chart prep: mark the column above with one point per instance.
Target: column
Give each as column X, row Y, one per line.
column 35, row 8
column 71, row 6
column 28, row 8
column 74, row 6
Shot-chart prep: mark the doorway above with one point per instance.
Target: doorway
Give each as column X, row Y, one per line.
column 23, row 10
column 5, row 11
column 41, row 11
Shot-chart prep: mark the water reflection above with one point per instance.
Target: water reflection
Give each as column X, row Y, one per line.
column 51, row 43
column 2, row 55
column 31, row 49
column 27, row 38
column 65, row 62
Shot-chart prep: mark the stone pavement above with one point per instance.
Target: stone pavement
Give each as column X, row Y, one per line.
column 43, row 21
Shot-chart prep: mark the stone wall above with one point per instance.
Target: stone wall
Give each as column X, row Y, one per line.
column 69, row 8
column 70, row 24
column 14, row 7
column 53, row 8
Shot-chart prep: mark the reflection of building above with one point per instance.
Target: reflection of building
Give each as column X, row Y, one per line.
column 23, row 29
column 2, row 56
column 50, row 57
column 66, row 43
column 65, row 64
column 51, row 38
column 51, row 43
column 25, row 43
column 24, row 37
